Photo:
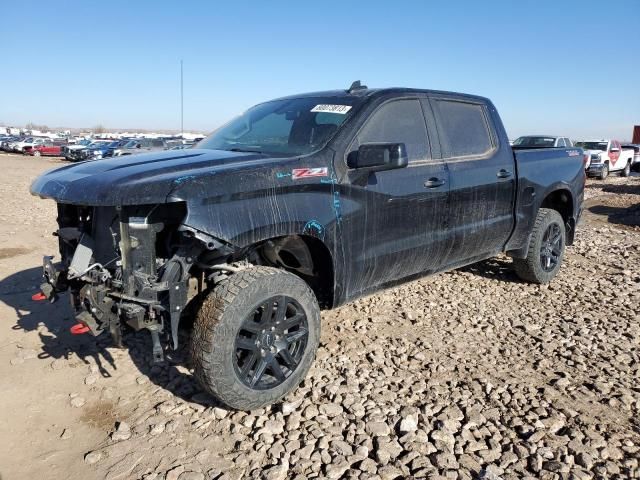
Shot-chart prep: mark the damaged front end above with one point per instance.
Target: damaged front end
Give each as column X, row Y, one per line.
column 129, row 265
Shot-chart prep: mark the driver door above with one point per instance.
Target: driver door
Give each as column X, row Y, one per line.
column 399, row 228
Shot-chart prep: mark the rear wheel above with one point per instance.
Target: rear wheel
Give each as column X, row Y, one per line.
column 627, row 170
column 546, row 248
column 255, row 337
column 37, row 153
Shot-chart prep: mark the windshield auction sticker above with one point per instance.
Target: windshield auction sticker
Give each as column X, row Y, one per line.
column 341, row 109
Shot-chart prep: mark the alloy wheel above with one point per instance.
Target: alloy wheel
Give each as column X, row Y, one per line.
column 270, row 343
column 551, row 248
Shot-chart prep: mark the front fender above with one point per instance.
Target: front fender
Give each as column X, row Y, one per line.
column 246, row 219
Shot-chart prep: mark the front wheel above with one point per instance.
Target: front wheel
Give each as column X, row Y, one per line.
column 255, row 337
column 605, row 171
column 37, row 153
column 546, row 248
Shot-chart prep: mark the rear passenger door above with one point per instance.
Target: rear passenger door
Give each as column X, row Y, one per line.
column 482, row 175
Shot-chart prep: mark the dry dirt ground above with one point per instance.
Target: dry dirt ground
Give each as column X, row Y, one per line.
column 469, row 374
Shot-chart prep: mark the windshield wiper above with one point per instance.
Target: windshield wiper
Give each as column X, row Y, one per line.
column 236, row 149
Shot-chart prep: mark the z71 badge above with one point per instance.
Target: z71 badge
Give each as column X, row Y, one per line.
column 298, row 173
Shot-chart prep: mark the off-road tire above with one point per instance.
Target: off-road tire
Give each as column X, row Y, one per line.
column 605, row 171
column 221, row 317
column 530, row 268
column 627, row 170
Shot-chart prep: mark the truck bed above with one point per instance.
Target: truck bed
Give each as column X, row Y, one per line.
column 538, row 171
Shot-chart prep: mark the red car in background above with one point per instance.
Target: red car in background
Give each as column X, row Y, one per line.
column 48, row 148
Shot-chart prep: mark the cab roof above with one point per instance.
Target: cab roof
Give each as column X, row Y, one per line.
column 365, row 92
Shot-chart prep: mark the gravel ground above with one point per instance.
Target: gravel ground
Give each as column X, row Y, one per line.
column 467, row 374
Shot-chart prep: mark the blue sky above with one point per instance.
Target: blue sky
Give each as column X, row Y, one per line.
column 566, row 67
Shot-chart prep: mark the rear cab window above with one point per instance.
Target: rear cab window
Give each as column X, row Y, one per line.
column 463, row 128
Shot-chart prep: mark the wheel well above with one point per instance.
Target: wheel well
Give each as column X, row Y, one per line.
column 562, row 202
column 305, row 256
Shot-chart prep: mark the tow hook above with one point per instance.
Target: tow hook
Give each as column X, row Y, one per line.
column 46, row 292
column 79, row 329
column 38, row 297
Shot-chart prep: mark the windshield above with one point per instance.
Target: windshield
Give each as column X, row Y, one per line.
column 294, row 126
column 535, row 141
column 592, row 145
column 28, row 140
column 131, row 144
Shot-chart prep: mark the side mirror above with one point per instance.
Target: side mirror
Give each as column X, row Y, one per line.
column 376, row 157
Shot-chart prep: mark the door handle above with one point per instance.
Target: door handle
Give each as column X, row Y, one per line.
column 434, row 182
column 504, row 173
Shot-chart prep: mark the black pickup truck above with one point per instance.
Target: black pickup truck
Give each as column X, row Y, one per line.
column 301, row 203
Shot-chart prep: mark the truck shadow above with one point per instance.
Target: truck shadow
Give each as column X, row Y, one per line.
column 629, row 216
column 617, row 188
column 614, row 208
column 493, row 269
column 53, row 321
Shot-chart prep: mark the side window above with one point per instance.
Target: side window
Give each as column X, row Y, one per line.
column 561, row 142
column 399, row 121
column 568, row 142
column 462, row 127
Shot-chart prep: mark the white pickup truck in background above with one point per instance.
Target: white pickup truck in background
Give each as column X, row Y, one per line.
column 606, row 156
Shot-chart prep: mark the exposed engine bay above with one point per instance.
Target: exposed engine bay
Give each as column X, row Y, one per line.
column 127, row 265
column 139, row 266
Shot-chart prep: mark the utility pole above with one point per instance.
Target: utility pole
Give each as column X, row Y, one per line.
column 181, row 102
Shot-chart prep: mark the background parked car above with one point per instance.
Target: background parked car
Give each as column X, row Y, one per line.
column 5, row 144
column 101, row 149
column 542, row 141
column 115, row 145
column 69, row 152
column 94, row 151
column 607, row 156
column 28, row 143
column 46, row 149
column 141, row 145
